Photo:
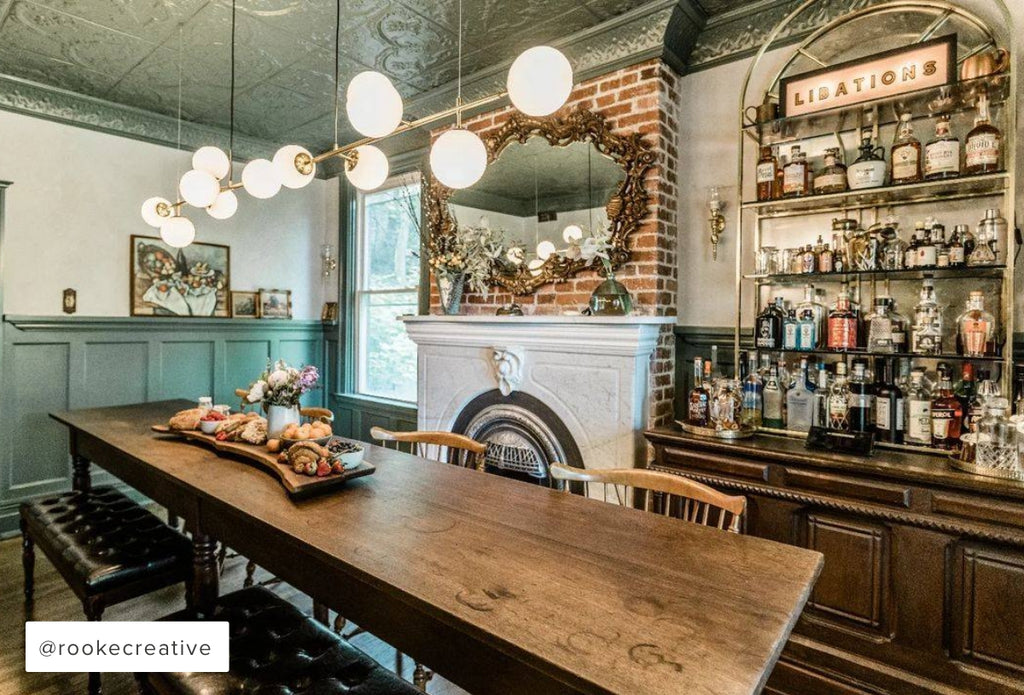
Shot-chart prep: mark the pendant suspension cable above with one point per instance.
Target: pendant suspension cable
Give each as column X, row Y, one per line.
column 231, row 113
column 180, row 52
column 337, row 68
column 458, row 93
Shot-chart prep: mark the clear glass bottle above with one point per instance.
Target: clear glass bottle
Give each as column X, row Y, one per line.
column 808, row 260
column 919, row 411
column 927, row 254
column 728, row 405
column 888, row 404
column 796, row 174
column 976, row 328
column 861, row 413
column 894, row 249
column 774, row 396
column 767, row 170
column 957, row 249
column 699, row 413
column 942, row 153
column 790, row 331
column 947, row 413
column 862, row 245
column 941, row 248
column 886, row 333
column 868, row 171
column 768, row 326
column 810, row 316
column 752, row 396
column 997, row 439
column 905, row 157
column 842, row 324
column 820, row 418
column 926, row 334
column 826, row 259
column 992, row 231
column 800, row 402
column 832, row 177
column 839, row 401
column 984, row 144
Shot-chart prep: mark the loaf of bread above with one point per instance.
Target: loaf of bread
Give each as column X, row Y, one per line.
column 186, row 419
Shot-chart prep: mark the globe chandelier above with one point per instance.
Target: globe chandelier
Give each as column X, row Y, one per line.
column 538, row 84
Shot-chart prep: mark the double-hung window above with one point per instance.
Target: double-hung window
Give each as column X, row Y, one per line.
column 387, row 280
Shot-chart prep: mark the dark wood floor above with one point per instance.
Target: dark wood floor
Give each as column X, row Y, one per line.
column 54, row 601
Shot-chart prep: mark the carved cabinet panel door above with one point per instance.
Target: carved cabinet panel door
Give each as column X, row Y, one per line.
column 988, row 607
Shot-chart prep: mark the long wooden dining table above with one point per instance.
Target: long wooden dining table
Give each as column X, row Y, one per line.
column 503, row 587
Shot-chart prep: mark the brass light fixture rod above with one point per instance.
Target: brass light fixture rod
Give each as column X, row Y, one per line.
column 406, row 126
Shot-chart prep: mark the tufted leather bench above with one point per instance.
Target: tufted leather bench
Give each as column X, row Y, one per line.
column 277, row 649
column 108, row 549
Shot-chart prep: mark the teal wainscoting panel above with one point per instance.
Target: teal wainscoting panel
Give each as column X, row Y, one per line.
column 55, row 363
column 355, row 415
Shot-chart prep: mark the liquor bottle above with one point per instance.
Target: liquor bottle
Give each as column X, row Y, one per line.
column 832, row 178
column 699, row 413
column 810, row 321
column 966, row 391
column 768, row 327
column 957, row 250
column 868, row 171
column 750, row 414
column 825, row 258
column 942, row 153
column 800, row 402
column 992, row 231
column 861, row 413
column 947, row 413
column 808, row 260
column 779, row 175
column 790, row 330
column 842, row 324
column 716, row 369
column 767, row 169
column 894, row 250
column 926, row 334
column 888, row 404
column 785, row 377
column 886, row 333
column 984, row 143
column 941, row 248
column 987, row 388
column 1018, row 401
column 910, row 256
column 839, row 401
column 905, row 157
column 919, row 411
column 976, row 328
column 773, row 397
column 796, row 174
column 820, row 418
column 927, row 254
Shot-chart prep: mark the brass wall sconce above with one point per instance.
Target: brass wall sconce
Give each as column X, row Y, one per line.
column 716, row 220
column 328, row 259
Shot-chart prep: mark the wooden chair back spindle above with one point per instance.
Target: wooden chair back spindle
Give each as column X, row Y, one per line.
column 447, row 447
column 660, row 493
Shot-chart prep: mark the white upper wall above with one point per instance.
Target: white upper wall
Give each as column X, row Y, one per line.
column 75, row 201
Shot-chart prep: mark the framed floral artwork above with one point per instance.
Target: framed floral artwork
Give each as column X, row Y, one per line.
column 165, row 281
column 275, row 304
column 245, row 305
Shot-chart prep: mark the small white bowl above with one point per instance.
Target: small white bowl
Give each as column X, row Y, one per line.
column 209, row 426
column 350, row 459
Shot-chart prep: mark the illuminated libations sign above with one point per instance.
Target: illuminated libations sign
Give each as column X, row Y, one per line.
column 922, row 65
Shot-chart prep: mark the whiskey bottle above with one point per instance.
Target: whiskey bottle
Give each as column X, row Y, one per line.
column 768, row 327
column 910, row 256
column 842, row 324
column 750, row 413
column 796, row 174
column 773, row 396
column 861, row 413
column 927, row 254
column 905, row 158
column 919, row 411
column 839, row 401
column 942, row 153
column 966, row 391
column 699, row 413
column 947, row 413
column 984, row 143
column 767, row 170
column 868, row 171
column 832, row 178
column 826, row 258
column 976, row 328
column 888, row 404
column 800, row 402
column 926, row 334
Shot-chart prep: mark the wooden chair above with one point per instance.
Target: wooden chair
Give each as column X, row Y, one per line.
column 447, row 447
column 662, row 493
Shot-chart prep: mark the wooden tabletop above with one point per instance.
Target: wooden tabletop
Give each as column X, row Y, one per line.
column 592, row 596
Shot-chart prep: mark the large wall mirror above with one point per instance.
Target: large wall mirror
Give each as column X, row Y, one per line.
column 548, row 182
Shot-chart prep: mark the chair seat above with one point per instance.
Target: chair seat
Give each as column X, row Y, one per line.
column 275, row 648
column 102, row 540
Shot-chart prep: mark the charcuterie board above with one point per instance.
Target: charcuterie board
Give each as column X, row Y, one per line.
column 295, row 484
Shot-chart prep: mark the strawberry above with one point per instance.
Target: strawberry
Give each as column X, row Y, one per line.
column 337, row 467
column 322, row 468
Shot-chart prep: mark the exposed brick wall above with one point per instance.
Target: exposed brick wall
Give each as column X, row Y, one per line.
column 640, row 98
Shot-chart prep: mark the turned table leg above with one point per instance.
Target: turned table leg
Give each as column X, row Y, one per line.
column 80, row 479
column 205, row 577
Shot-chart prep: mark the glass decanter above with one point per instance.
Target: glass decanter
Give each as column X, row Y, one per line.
column 976, row 328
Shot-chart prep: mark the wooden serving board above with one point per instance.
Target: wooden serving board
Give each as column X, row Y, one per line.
column 296, row 485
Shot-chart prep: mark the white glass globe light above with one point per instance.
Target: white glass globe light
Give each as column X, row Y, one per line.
column 149, row 211
column 288, row 169
column 198, row 188
column 545, row 249
column 212, row 160
column 371, row 168
column 539, row 81
column 535, row 266
column 572, row 232
column 178, row 232
column 458, row 158
column 224, row 207
column 373, row 105
column 260, row 179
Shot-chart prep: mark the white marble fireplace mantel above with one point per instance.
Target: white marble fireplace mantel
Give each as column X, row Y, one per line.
column 593, row 372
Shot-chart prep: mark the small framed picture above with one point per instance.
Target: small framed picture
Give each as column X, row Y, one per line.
column 245, row 305
column 329, row 314
column 275, row 304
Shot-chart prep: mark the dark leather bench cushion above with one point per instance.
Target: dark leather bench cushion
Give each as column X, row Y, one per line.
column 106, row 539
column 275, row 648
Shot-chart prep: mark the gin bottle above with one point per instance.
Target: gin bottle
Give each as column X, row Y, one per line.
column 810, row 320
column 750, row 415
column 919, row 411
column 842, row 324
column 800, row 402
column 773, row 399
column 839, row 401
column 768, row 327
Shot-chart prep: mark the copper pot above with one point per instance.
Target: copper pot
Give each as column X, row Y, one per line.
column 985, row 63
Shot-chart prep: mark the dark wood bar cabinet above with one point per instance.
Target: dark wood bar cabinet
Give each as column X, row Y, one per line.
column 923, row 585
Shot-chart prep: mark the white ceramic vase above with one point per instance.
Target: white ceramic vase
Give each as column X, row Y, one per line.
column 279, row 417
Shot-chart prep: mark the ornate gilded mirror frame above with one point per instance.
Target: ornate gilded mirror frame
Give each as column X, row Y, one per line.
column 626, row 209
